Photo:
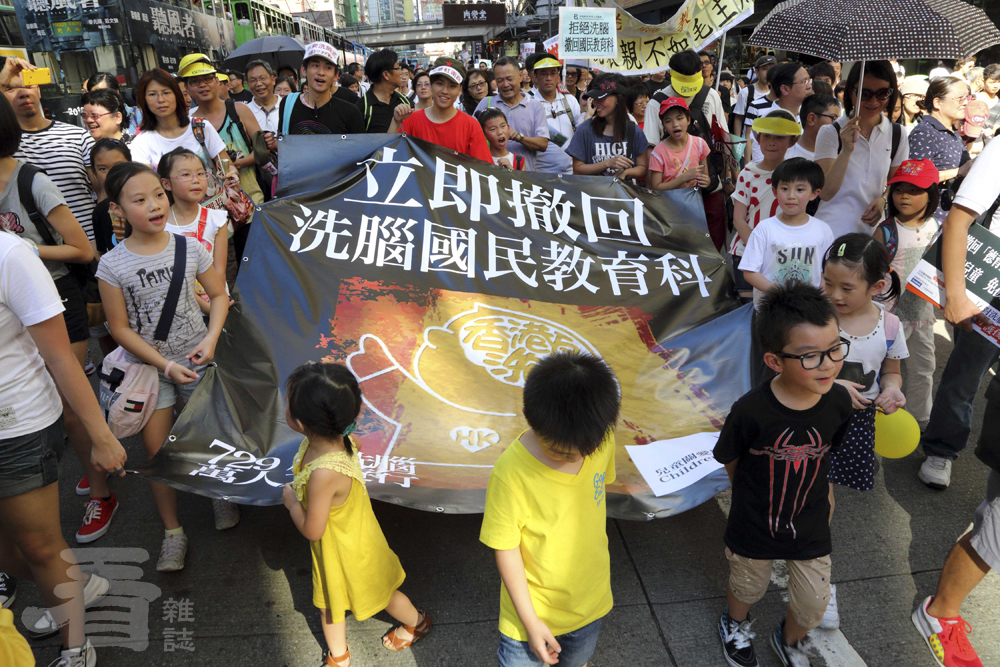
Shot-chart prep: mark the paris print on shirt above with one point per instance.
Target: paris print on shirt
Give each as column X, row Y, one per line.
column 795, row 464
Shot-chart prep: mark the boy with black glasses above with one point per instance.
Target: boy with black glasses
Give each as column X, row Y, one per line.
column 774, row 445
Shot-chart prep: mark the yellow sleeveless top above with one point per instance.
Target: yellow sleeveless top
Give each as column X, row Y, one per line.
column 353, row 567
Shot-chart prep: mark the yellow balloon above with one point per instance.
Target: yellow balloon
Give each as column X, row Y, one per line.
column 896, row 435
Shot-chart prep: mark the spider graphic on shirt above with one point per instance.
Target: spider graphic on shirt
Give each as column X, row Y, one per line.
column 792, row 460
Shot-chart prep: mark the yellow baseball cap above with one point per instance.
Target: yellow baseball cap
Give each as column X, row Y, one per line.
column 224, row 78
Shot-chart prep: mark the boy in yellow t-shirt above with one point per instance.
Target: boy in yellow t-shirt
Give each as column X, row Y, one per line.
column 546, row 514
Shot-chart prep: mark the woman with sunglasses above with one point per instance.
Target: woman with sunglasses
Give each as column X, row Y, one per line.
column 859, row 151
column 934, row 138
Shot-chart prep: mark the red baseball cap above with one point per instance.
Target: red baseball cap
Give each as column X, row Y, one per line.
column 671, row 102
column 921, row 173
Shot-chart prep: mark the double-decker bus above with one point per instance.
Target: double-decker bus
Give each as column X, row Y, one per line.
column 306, row 31
column 256, row 18
column 123, row 37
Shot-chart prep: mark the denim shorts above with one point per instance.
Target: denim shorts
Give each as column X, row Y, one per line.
column 577, row 648
column 169, row 391
column 29, row 462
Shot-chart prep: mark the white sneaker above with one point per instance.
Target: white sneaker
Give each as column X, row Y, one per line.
column 93, row 591
column 83, row 656
column 935, row 472
column 227, row 514
column 172, row 553
column 831, row 617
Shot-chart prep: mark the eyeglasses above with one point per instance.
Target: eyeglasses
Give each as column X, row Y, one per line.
column 258, row 79
column 882, row 94
column 830, row 116
column 93, row 116
column 188, row 176
column 481, row 84
column 812, row 360
column 960, row 100
column 803, row 81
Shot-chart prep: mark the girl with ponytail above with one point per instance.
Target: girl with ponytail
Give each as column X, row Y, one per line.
column 353, row 567
column 856, row 273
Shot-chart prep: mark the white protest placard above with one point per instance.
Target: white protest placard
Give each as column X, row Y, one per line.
column 552, row 45
column 588, row 33
column 670, row 465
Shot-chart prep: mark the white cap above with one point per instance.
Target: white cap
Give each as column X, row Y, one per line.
column 322, row 50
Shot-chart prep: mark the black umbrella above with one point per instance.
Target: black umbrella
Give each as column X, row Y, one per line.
column 278, row 50
column 842, row 30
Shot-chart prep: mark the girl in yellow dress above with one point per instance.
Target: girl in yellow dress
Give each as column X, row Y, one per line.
column 353, row 567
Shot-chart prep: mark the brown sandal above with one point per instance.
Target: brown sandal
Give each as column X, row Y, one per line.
column 329, row 660
column 391, row 642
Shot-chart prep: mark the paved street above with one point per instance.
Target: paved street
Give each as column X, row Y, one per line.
column 251, row 586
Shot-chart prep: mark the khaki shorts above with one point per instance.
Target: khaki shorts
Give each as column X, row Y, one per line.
column 808, row 585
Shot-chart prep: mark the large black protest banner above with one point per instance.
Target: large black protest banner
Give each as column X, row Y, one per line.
column 439, row 280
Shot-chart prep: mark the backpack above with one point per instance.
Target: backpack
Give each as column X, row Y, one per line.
column 890, row 236
column 285, row 111
column 84, row 273
column 128, row 390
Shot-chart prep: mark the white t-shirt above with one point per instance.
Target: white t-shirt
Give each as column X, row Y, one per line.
column 938, row 71
column 148, row 147
column 29, row 401
column 863, row 363
column 798, row 151
column 504, row 160
column 554, row 160
column 267, row 119
column 216, row 219
column 783, row 253
column 867, row 173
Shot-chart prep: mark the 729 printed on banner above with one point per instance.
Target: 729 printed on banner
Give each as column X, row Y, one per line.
column 982, row 278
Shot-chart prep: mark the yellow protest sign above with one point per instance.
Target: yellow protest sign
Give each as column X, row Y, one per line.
column 645, row 48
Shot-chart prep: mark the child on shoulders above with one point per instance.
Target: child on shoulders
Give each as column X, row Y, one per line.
column 546, row 514
column 789, row 246
column 774, row 446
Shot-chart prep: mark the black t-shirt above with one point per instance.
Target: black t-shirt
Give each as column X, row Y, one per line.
column 334, row 117
column 244, row 96
column 104, row 233
column 376, row 113
column 781, row 504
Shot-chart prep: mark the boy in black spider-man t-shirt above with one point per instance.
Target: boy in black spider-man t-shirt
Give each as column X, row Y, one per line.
column 774, row 446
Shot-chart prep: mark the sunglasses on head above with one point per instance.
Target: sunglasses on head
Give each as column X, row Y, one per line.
column 882, row 94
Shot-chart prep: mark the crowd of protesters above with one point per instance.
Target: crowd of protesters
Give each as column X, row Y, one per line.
column 843, row 183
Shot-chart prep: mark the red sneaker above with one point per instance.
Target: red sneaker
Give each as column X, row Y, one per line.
column 97, row 519
column 947, row 638
column 83, row 487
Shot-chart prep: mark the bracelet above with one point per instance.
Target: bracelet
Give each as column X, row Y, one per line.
column 166, row 369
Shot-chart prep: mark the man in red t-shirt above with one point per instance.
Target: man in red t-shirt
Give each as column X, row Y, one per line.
column 442, row 123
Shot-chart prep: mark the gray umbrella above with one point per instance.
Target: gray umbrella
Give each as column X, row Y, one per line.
column 842, row 30
column 279, row 50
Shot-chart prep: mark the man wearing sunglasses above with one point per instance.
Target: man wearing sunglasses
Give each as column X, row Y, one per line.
column 860, row 151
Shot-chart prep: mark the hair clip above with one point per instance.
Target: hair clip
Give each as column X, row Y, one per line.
column 350, row 429
column 841, row 250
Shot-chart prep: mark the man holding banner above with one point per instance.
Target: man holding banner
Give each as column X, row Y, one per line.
column 562, row 113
